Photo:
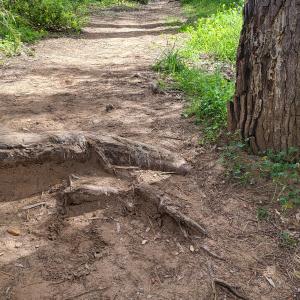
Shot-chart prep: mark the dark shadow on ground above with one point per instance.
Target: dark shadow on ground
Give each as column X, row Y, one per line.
column 141, row 26
column 122, row 35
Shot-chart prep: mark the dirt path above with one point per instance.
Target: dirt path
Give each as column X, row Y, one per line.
column 110, row 252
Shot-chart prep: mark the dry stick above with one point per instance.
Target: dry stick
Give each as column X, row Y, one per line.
column 213, row 285
column 33, row 205
column 211, row 253
column 126, row 167
column 86, row 293
column 229, row 288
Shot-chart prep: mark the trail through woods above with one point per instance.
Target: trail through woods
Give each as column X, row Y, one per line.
column 105, row 192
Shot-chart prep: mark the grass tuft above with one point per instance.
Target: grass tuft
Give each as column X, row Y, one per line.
column 207, row 93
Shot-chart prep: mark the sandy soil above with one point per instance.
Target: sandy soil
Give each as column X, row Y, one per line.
column 105, row 252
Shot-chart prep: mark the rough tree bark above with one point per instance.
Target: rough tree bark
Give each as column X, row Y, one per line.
column 266, row 107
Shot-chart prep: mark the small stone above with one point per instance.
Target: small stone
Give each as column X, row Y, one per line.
column 14, row 231
column 144, row 242
column 109, row 107
column 192, row 249
column 18, row 245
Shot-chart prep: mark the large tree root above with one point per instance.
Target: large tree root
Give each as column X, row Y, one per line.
column 108, row 189
column 84, row 190
column 20, row 148
column 165, row 206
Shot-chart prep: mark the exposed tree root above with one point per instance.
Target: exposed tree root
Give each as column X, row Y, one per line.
column 125, row 152
column 227, row 286
column 164, row 205
column 97, row 189
column 20, row 148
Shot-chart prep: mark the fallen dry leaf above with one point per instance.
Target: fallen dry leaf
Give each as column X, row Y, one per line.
column 14, row 231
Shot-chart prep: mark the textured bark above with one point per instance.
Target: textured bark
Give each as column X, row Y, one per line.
column 27, row 149
column 266, row 107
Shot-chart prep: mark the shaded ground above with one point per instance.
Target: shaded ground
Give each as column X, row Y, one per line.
column 109, row 253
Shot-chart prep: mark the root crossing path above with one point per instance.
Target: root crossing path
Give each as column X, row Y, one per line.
column 105, row 192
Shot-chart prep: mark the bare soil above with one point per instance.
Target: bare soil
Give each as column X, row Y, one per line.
column 102, row 82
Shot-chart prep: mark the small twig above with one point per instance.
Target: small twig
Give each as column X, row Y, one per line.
column 33, row 205
column 171, row 137
column 213, row 286
column 231, row 289
column 126, row 168
column 86, row 293
column 156, row 273
column 204, row 248
column 275, row 191
column 167, row 173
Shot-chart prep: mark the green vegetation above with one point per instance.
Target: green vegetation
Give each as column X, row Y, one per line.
column 282, row 168
column 196, row 9
column 287, row 240
column 207, row 93
column 215, row 34
column 28, row 20
column 262, row 213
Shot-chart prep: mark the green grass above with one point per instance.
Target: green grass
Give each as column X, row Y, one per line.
column 207, row 93
column 196, row 9
column 217, row 35
column 282, row 169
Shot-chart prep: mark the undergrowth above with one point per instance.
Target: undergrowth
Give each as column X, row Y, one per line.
column 216, row 34
column 196, row 69
column 196, row 9
column 207, row 93
column 281, row 168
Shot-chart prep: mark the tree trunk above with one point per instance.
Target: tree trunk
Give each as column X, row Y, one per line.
column 266, row 107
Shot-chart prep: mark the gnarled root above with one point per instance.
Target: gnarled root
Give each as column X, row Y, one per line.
column 163, row 202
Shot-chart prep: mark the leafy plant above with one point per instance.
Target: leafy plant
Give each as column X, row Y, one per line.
column 170, row 63
column 262, row 213
column 207, row 93
column 287, row 240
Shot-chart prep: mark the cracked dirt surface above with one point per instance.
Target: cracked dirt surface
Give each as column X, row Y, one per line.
column 101, row 82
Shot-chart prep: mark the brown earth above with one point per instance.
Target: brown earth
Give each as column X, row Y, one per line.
column 101, row 82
